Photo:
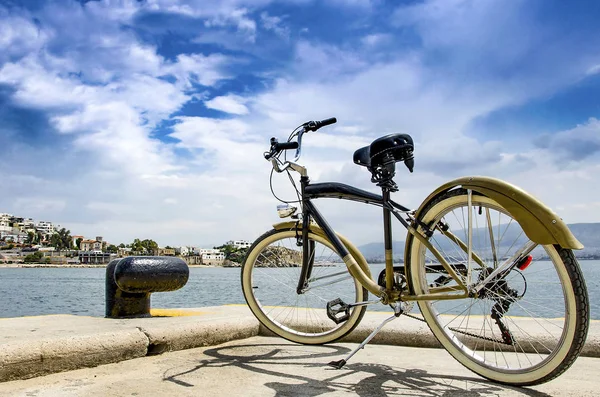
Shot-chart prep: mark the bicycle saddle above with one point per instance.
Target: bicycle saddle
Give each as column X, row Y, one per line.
column 395, row 147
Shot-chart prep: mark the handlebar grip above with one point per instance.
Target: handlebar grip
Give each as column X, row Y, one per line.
column 286, row 145
column 315, row 125
column 325, row 122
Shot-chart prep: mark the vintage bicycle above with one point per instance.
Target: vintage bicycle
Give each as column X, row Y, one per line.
column 490, row 267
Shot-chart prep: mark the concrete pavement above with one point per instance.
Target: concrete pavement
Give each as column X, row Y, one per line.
column 264, row 366
column 36, row 346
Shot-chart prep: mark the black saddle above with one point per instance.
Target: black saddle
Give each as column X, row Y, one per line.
column 389, row 148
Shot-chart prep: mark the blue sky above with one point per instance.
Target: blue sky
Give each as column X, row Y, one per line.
column 149, row 118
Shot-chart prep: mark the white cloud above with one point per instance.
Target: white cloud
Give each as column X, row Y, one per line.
column 19, row 35
column 107, row 93
column 204, row 69
column 593, row 70
column 233, row 104
column 574, row 145
column 376, row 39
column 275, row 24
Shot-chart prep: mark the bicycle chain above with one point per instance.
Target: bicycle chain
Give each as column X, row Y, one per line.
column 461, row 332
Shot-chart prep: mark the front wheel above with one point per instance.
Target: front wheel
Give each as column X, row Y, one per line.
column 523, row 328
column 270, row 275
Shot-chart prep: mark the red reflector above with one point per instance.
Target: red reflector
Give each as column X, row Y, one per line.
column 525, row 262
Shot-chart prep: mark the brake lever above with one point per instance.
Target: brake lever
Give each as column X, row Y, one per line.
column 299, row 150
column 310, row 126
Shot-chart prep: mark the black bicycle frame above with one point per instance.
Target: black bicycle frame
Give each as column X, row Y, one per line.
column 343, row 192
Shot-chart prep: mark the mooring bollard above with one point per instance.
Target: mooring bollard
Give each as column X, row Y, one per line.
column 131, row 280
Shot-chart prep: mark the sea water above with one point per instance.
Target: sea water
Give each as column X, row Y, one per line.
column 36, row 291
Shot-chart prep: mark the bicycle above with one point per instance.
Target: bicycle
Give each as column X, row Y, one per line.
column 490, row 267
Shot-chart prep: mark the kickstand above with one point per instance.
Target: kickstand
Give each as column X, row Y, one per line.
column 340, row 363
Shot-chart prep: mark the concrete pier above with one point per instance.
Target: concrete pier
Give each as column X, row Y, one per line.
column 264, row 366
column 32, row 347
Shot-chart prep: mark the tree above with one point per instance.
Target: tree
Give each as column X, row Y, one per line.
column 137, row 246
column 150, row 245
column 232, row 253
column 112, row 249
column 145, row 246
column 33, row 258
column 39, row 237
column 66, row 239
column 62, row 239
column 55, row 241
column 121, row 245
column 30, row 237
column 78, row 242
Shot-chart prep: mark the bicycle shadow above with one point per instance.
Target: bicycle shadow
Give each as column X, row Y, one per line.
column 363, row 379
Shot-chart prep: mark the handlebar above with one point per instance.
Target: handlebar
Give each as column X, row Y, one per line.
column 284, row 145
column 277, row 147
column 315, row 125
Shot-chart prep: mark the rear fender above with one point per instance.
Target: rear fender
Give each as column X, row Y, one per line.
column 538, row 221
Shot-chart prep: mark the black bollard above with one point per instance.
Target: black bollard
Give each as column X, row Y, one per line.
column 131, row 280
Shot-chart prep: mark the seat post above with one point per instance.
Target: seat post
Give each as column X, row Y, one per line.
column 387, row 238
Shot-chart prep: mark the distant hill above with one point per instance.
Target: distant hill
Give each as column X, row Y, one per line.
column 587, row 233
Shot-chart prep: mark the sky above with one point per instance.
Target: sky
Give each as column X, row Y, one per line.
column 149, row 119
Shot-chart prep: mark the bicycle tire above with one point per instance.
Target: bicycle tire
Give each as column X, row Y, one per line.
column 473, row 336
column 298, row 318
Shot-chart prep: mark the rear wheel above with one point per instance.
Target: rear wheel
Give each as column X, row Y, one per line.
column 270, row 275
column 524, row 328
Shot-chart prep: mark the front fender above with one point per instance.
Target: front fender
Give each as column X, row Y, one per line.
column 314, row 228
column 538, row 221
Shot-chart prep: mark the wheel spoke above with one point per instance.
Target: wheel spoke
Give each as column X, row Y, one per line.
column 270, row 277
column 518, row 320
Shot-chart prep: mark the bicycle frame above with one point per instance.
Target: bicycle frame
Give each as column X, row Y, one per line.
column 387, row 293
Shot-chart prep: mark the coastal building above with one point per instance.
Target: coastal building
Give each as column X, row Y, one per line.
column 27, row 226
column 213, row 258
column 10, row 257
column 193, row 260
column 239, row 243
column 93, row 245
column 5, row 225
column 46, row 228
column 123, row 252
column 203, row 251
column 165, row 252
column 95, row 257
column 12, row 237
column 184, row 251
column 90, row 245
column 75, row 238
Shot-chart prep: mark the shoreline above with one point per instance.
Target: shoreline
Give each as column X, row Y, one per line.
column 73, row 266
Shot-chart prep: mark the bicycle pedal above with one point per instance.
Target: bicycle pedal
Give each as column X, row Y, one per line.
column 333, row 311
column 337, row 364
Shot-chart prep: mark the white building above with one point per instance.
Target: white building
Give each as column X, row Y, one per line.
column 28, row 225
column 208, row 251
column 5, row 223
column 239, row 243
column 45, row 227
column 13, row 237
column 213, row 258
column 183, row 251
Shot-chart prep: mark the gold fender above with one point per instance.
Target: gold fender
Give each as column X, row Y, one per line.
column 314, row 228
column 538, row 221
